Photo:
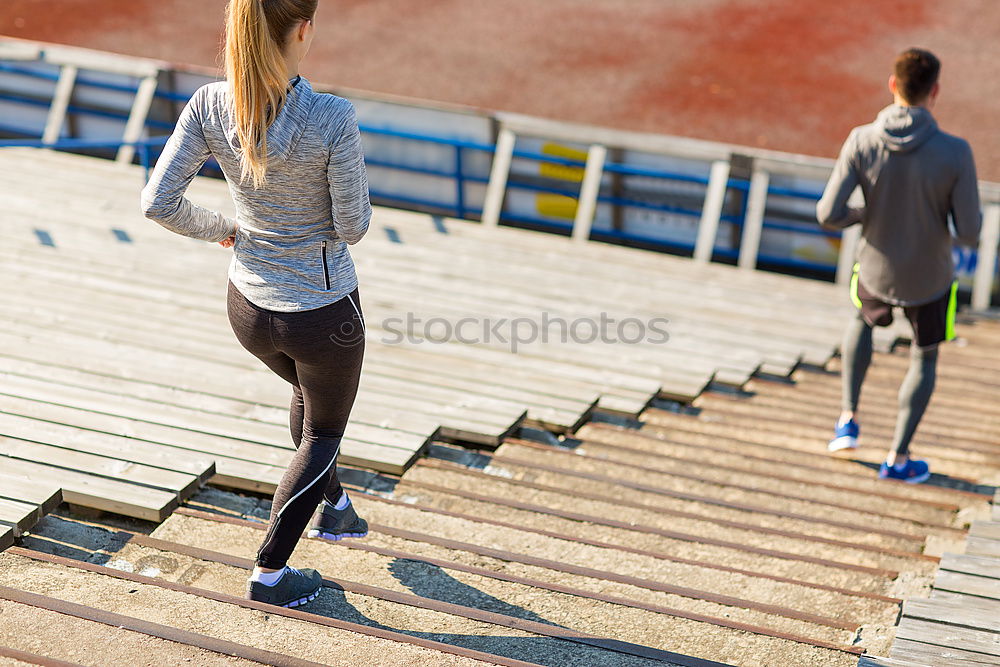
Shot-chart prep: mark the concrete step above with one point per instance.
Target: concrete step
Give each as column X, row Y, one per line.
column 758, row 489
column 45, row 635
column 600, row 559
column 368, row 604
column 666, row 628
column 687, row 439
column 305, row 637
column 954, row 462
column 955, row 430
column 634, row 525
column 629, row 445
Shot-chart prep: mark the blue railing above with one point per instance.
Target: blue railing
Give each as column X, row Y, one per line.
column 458, row 173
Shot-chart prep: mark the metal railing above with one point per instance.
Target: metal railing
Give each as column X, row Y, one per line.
column 747, row 199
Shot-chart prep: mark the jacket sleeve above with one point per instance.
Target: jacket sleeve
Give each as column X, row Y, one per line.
column 965, row 210
column 832, row 210
column 163, row 199
column 348, row 181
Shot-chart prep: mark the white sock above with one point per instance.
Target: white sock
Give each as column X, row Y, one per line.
column 267, row 578
column 342, row 502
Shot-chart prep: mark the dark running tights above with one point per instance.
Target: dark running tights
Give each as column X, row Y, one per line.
column 914, row 393
column 319, row 352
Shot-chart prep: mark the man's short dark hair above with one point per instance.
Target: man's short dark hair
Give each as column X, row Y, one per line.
column 916, row 72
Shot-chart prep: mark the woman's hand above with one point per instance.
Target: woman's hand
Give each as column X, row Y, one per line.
column 228, row 243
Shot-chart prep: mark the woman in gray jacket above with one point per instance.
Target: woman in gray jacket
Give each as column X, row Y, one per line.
column 296, row 172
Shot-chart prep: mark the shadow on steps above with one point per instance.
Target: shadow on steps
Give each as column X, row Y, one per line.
column 93, row 543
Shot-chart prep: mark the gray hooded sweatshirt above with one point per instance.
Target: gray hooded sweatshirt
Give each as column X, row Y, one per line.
column 291, row 236
column 912, row 175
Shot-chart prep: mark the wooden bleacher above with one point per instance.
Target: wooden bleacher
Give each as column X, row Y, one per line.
column 73, row 348
column 639, row 531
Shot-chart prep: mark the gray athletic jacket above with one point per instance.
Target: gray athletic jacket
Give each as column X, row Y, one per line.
column 913, row 175
column 290, row 250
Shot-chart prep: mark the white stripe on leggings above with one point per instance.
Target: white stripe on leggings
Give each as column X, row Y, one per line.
column 289, row 502
column 358, row 312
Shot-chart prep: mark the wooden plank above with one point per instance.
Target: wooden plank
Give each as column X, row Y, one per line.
column 155, row 455
column 463, row 419
column 803, row 339
column 986, row 529
column 212, row 403
column 497, row 412
column 928, row 655
column 180, row 484
column 980, row 566
column 16, row 488
column 187, row 418
column 950, row 636
column 6, row 537
column 981, row 546
column 101, row 493
column 969, row 613
column 20, row 516
column 232, row 461
column 743, row 333
column 956, row 582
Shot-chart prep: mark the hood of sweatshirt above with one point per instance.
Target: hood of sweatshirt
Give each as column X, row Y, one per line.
column 904, row 128
column 284, row 133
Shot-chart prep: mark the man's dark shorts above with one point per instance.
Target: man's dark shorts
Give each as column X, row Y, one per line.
column 932, row 322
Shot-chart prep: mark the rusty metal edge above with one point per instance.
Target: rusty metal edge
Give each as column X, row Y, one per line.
column 34, row 658
column 658, row 531
column 146, row 627
column 409, row 599
column 693, row 616
column 171, row 633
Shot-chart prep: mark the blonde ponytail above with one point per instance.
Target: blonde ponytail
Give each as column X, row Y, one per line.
column 257, row 32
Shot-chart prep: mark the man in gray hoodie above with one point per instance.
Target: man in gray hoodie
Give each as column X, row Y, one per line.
column 913, row 177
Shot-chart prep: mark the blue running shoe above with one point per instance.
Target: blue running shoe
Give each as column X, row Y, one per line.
column 845, row 437
column 913, row 472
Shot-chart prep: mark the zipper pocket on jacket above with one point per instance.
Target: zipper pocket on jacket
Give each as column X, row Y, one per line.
column 326, row 271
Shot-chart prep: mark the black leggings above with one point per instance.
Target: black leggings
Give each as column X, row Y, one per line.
column 319, row 352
